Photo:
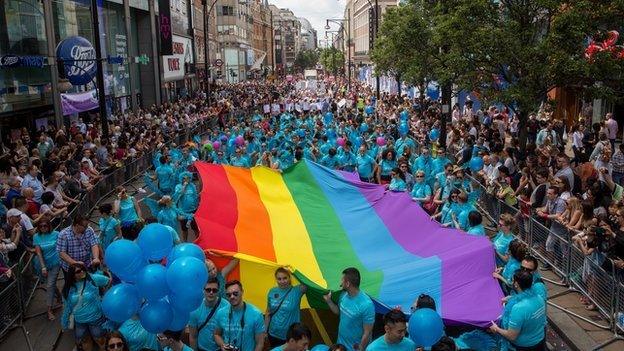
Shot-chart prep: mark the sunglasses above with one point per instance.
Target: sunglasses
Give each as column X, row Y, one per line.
column 211, row 290
column 118, row 345
column 420, row 176
column 232, row 294
column 78, row 271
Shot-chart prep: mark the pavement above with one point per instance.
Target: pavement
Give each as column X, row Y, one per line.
column 565, row 332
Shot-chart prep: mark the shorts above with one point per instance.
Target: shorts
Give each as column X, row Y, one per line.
column 94, row 328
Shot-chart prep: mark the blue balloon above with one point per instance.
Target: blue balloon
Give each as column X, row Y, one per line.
column 179, row 321
column 369, row 110
column 301, row 133
column 320, row 347
column 156, row 316
column 363, row 127
column 403, row 129
column 425, row 327
column 186, row 301
column 187, row 275
column 152, row 282
column 434, row 134
column 124, row 258
column 121, row 302
column 155, row 241
column 224, row 138
column 330, row 133
column 476, row 164
column 186, row 250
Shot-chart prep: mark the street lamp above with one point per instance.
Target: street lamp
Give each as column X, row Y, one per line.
column 207, row 73
column 340, row 22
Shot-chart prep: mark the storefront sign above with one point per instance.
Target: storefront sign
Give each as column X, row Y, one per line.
column 78, row 58
column 80, row 102
column 174, row 65
column 164, row 21
column 7, row 61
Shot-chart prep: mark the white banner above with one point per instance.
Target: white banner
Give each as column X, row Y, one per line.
column 173, row 65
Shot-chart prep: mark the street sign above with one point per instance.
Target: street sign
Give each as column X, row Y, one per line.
column 218, row 62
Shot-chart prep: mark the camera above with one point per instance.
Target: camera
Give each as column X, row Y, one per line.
column 230, row 347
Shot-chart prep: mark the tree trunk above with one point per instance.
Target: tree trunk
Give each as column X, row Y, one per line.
column 523, row 117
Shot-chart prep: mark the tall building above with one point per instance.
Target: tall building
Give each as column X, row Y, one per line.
column 287, row 39
column 308, row 35
column 234, row 37
column 262, row 42
column 362, row 26
column 199, row 20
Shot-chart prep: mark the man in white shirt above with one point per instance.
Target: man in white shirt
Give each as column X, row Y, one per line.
column 612, row 129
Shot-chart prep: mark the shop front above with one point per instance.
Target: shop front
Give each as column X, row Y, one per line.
column 179, row 70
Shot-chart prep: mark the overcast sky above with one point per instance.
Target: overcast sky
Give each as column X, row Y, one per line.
column 315, row 11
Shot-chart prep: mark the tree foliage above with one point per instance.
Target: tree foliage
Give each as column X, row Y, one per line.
column 511, row 51
column 332, row 59
column 306, row 58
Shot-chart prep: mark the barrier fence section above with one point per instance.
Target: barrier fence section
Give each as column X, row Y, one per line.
column 591, row 274
column 17, row 290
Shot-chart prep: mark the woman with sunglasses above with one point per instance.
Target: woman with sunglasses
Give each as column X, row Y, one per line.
column 503, row 238
column 82, row 304
column 421, row 191
column 284, row 306
column 45, row 247
column 116, row 342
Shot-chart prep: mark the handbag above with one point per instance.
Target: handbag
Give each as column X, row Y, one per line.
column 272, row 313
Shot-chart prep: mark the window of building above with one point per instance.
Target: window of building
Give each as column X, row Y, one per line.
column 225, row 10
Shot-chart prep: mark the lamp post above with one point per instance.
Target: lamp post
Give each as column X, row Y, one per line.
column 100, row 69
column 341, row 22
column 207, row 72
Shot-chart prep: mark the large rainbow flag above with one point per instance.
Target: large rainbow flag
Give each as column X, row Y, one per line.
column 319, row 221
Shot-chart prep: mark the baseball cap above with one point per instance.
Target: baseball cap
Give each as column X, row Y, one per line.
column 14, row 212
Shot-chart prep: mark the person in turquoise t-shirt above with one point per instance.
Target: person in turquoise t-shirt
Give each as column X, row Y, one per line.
column 356, row 310
column 298, row 336
column 240, row 326
column 529, row 264
column 165, row 174
column 283, row 307
column 136, row 336
column 110, row 227
column 395, row 326
column 202, row 322
column 527, row 318
column 421, row 191
column 213, row 272
column 397, row 182
column 503, row 238
column 517, row 251
column 475, row 224
column 49, row 261
column 170, row 340
column 366, row 165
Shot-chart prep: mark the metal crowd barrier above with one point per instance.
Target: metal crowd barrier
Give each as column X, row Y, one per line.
column 552, row 244
column 17, row 292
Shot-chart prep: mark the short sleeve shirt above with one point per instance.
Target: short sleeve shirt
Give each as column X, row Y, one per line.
column 288, row 312
column 205, row 337
column 529, row 318
column 238, row 333
column 77, row 247
column 380, row 344
column 355, row 312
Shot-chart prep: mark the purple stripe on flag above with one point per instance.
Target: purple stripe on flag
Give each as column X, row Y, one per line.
column 469, row 293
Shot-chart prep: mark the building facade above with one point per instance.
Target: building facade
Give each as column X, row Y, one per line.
column 362, row 26
column 287, row 39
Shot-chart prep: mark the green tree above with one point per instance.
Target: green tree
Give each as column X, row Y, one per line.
column 405, row 46
column 306, row 58
column 332, row 59
column 516, row 51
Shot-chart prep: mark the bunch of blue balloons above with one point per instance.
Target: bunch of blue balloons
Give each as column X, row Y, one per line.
column 403, row 128
column 434, row 134
column 162, row 295
column 369, row 110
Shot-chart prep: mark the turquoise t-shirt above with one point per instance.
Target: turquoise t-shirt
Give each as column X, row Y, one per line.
column 279, row 348
column 137, row 337
column 88, row 308
column 127, row 212
column 380, row 344
column 47, row 243
column 365, row 165
column 287, row 314
column 205, row 338
column 476, row 230
column 387, row 166
column 229, row 321
column 397, row 184
column 501, row 245
column 184, row 348
column 165, row 174
column 421, row 190
column 510, row 269
column 528, row 316
column 355, row 312
column 330, row 161
column 108, row 230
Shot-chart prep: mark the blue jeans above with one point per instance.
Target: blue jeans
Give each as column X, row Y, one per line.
column 51, row 289
column 94, row 328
